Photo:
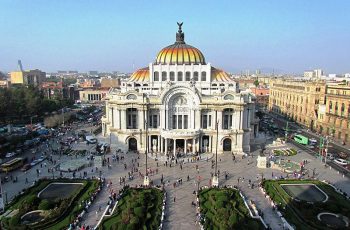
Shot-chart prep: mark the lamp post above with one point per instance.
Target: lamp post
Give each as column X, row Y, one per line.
column 31, row 120
column 215, row 179
column 146, row 180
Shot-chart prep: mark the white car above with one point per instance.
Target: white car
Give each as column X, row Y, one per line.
column 340, row 161
column 12, row 154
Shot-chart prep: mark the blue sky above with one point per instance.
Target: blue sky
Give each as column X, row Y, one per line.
column 289, row 36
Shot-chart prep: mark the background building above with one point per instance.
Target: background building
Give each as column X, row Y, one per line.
column 335, row 116
column 28, row 77
column 297, row 100
column 262, row 97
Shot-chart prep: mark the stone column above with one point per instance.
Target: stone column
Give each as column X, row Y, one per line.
column 174, row 148
column 194, row 145
column 219, row 118
column 123, row 119
column 198, row 119
column 185, row 147
column 159, row 148
column 166, row 145
column 149, row 143
column 210, row 140
column 117, row 118
column 140, row 114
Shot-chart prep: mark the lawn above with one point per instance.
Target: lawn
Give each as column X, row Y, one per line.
column 303, row 214
column 59, row 212
column 284, row 152
column 138, row 209
column 223, row 209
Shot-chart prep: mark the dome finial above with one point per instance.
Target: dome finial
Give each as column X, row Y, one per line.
column 180, row 36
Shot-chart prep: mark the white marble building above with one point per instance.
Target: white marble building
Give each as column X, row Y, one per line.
column 172, row 106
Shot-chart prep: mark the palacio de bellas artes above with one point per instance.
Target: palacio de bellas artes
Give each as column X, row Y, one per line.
column 180, row 105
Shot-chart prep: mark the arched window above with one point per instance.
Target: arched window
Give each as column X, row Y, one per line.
column 342, row 110
column 172, row 76
column 214, row 84
column 204, row 76
column 222, row 84
column 164, row 77
column 156, row 76
column 195, row 76
column 179, row 76
column 188, row 76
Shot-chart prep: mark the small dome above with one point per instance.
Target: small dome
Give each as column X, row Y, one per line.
column 220, row 75
column 140, row 75
column 180, row 53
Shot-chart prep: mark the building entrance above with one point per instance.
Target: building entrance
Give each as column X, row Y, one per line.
column 227, row 144
column 132, row 144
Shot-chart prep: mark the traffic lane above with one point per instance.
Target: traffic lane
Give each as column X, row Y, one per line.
column 281, row 123
column 313, row 153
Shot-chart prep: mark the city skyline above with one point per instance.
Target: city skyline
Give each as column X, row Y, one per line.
column 288, row 36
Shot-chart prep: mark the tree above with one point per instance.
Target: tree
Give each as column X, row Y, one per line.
column 256, row 83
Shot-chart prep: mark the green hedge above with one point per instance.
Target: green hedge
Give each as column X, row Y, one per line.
column 138, row 209
column 62, row 212
column 302, row 214
column 225, row 209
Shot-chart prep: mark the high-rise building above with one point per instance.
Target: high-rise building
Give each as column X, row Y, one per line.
column 28, row 77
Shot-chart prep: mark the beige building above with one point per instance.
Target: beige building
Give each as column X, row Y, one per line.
column 92, row 95
column 178, row 105
column 298, row 100
column 28, row 77
column 334, row 119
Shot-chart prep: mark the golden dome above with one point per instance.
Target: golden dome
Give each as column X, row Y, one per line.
column 180, row 53
column 220, row 75
column 140, row 75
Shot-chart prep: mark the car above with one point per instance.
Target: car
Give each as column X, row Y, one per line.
column 340, row 161
column 26, row 167
column 313, row 140
column 330, row 156
column 11, row 154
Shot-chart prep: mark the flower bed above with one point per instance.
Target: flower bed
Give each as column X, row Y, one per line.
column 224, row 208
column 59, row 212
column 138, row 208
column 284, row 152
column 303, row 214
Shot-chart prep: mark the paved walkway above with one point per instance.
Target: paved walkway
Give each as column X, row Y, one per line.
column 181, row 214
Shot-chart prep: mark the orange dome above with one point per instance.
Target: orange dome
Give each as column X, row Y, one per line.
column 220, row 75
column 140, row 75
column 180, row 53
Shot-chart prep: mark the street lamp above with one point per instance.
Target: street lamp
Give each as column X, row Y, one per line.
column 215, row 179
column 31, row 120
column 146, row 180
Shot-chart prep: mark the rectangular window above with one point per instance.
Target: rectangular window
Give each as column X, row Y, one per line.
column 155, row 121
column 150, row 123
column 209, row 121
column 174, row 121
column 179, row 122
column 230, row 125
column 226, row 121
column 134, row 124
column 205, row 122
column 185, row 121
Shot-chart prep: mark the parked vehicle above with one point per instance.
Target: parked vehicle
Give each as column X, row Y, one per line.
column 340, row 161
column 26, row 167
column 11, row 154
column 91, row 140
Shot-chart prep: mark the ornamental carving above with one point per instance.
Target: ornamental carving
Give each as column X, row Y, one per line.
column 131, row 97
